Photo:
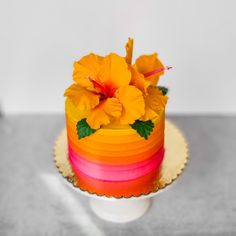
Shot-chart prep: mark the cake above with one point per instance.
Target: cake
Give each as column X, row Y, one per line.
column 115, row 121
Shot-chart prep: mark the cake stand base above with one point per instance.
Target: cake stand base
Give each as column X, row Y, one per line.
column 120, row 210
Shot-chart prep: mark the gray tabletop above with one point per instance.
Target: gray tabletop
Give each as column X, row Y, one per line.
column 35, row 201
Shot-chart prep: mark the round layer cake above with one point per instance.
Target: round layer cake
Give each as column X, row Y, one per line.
column 115, row 160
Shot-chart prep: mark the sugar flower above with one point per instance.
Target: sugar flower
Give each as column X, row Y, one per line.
column 145, row 74
column 102, row 88
column 111, row 89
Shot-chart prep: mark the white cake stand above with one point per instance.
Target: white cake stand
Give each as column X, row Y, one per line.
column 123, row 210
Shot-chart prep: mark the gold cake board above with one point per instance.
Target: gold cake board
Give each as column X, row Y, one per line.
column 175, row 160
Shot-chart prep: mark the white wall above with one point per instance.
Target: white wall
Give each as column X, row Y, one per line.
column 39, row 40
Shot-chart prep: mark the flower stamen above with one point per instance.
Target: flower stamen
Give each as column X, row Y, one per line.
column 104, row 91
column 157, row 71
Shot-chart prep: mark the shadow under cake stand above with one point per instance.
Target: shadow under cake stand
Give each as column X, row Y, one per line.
column 128, row 209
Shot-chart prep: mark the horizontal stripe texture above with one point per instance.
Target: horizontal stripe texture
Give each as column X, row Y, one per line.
column 115, row 161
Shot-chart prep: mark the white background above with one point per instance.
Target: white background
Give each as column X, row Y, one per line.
column 40, row 40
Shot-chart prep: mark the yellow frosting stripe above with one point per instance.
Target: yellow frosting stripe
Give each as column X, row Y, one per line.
column 119, row 139
column 96, row 145
column 120, row 136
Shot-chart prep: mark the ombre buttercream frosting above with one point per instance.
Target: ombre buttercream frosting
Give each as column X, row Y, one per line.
column 115, row 160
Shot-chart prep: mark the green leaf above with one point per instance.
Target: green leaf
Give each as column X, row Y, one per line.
column 163, row 89
column 83, row 129
column 143, row 128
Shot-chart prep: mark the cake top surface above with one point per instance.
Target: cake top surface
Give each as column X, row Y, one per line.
column 111, row 90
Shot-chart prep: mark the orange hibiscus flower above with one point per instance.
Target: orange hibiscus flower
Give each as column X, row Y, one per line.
column 145, row 75
column 102, row 89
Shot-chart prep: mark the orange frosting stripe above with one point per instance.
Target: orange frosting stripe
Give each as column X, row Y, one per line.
column 120, row 159
column 99, row 146
column 115, row 151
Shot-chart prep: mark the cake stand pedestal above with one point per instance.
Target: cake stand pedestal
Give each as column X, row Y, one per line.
column 120, row 210
column 123, row 209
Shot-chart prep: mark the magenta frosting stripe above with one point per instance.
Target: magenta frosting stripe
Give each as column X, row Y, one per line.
column 115, row 173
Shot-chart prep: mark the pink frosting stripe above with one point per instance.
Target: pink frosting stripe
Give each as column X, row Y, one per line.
column 115, row 173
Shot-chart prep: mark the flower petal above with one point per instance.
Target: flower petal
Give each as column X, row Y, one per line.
column 114, row 71
column 104, row 113
column 148, row 63
column 74, row 114
column 129, row 51
column 155, row 103
column 149, row 113
column 87, row 67
column 132, row 103
column 138, row 80
column 82, row 98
